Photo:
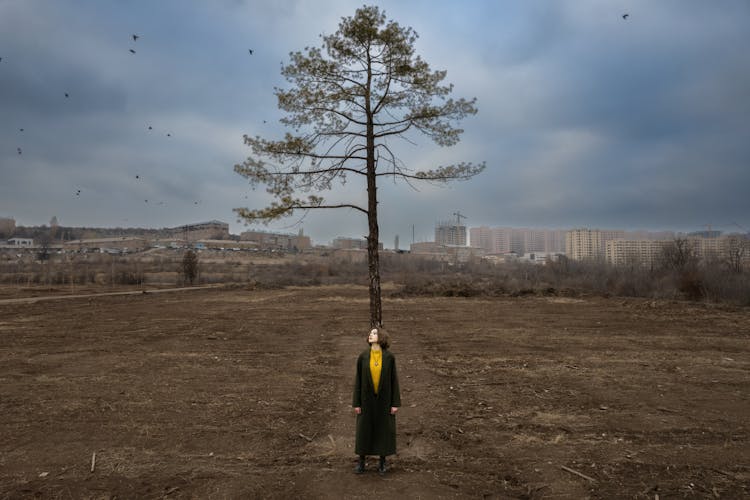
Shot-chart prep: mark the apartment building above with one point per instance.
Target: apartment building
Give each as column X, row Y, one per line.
column 584, row 244
column 650, row 235
column 502, row 240
column 493, row 240
column 610, row 235
column 621, row 252
column 481, row 237
column 541, row 240
column 728, row 248
column 555, row 240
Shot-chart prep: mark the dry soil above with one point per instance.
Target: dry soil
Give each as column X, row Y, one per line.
column 234, row 393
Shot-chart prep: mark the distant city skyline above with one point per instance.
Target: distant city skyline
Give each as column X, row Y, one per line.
column 471, row 238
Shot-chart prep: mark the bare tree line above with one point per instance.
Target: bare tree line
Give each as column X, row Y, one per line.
column 678, row 274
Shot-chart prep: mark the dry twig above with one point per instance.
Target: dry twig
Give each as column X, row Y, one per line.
column 568, row 469
column 309, row 439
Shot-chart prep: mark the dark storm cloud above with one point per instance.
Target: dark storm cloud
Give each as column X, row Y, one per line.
column 616, row 124
column 584, row 118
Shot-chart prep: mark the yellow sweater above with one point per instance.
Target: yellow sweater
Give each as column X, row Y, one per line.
column 376, row 365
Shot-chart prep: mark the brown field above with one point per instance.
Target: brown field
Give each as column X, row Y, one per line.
column 236, row 393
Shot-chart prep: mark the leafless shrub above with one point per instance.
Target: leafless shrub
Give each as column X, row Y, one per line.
column 129, row 277
column 190, row 266
column 679, row 254
column 722, row 284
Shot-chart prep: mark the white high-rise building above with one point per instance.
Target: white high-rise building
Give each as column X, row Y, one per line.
column 481, row 237
column 634, row 252
column 502, row 240
column 583, row 244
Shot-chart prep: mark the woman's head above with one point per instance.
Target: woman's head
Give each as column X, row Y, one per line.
column 380, row 336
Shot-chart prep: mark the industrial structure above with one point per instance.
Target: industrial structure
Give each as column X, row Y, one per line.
column 342, row 243
column 211, row 230
column 278, row 241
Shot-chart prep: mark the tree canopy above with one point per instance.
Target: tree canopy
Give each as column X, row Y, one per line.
column 365, row 83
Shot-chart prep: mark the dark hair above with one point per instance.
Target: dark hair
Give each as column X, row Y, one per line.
column 383, row 338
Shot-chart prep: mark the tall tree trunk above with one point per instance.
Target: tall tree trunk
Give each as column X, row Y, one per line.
column 373, row 257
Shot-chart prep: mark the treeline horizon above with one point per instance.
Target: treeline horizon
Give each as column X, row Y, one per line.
column 681, row 277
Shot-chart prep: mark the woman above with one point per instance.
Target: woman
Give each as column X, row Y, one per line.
column 376, row 401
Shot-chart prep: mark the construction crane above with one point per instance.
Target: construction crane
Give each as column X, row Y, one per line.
column 459, row 216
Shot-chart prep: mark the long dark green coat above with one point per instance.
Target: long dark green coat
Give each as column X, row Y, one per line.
column 376, row 427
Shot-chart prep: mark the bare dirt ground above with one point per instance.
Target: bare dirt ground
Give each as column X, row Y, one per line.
column 244, row 393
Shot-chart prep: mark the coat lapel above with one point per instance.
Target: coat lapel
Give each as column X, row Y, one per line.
column 369, row 372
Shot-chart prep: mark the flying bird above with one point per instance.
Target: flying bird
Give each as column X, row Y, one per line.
column 149, row 127
column 20, row 130
column 137, row 176
column 19, row 151
column 251, row 51
column 136, row 37
column 67, row 95
column 625, row 16
column 169, row 135
column 132, row 51
column 78, row 192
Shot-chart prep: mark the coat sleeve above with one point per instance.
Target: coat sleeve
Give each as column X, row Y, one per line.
column 395, row 391
column 357, row 396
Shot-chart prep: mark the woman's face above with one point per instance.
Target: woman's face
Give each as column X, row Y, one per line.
column 373, row 337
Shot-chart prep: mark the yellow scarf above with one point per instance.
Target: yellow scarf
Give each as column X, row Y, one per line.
column 376, row 364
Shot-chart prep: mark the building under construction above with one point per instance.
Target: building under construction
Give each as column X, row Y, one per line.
column 450, row 233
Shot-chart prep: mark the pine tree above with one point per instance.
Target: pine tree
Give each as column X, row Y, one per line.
column 364, row 86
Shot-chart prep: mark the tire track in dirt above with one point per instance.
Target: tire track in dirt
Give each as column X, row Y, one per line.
column 31, row 300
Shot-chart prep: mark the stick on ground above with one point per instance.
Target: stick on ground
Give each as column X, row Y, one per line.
column 578, row 473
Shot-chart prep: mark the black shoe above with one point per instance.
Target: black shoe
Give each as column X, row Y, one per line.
column 360, row 467
column 381, row 466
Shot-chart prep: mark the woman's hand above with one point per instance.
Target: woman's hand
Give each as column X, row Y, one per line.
column 358, row 410
column 394, row 409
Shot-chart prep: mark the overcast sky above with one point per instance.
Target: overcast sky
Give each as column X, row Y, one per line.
column 586, row 119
